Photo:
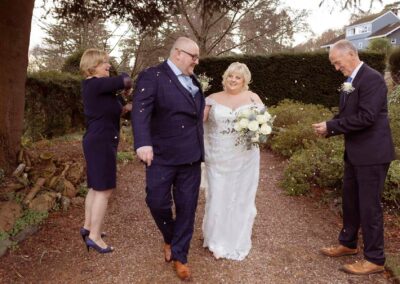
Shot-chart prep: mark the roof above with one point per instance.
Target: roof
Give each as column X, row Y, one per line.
column 369, row 18
column 386, row 30
column 332, row 41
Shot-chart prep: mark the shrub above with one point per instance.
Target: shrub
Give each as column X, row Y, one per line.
column 391, row 193
column 53, row 104
column 292, row 125
column 381, row 45
column 394, row 65
column 320, row 164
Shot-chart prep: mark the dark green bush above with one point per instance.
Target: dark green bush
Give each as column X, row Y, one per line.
column 305, row 77
column 53, row 104
column 394, row 65
column 71, row 64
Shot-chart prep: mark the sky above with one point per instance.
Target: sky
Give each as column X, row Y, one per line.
column 320, row 19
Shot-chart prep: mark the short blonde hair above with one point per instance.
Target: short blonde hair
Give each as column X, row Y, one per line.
column 90, row 59
column 242, row 69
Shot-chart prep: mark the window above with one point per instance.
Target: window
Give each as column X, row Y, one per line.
column 350, row 32
column 363, row 29
column 393, row 41
column 360, row 45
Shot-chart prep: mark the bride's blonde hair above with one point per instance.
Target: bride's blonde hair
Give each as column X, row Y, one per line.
column 240, row 68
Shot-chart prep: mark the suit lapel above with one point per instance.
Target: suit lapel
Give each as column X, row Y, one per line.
column 354, row 83
column 177, row 83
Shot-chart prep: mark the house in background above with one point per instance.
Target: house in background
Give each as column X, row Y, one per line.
column 385, row 24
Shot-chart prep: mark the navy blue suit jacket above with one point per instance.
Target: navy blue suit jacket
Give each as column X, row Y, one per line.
column 167, row 117
column 363, row 119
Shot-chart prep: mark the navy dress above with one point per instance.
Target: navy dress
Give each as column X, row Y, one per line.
column 102, row 111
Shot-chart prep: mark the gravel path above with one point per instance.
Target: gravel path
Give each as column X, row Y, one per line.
column 286, row 237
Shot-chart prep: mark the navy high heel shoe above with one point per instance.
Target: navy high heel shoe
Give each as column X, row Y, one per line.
column 91, row 244
column 85, row 233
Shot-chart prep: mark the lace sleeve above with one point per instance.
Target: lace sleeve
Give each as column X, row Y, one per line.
column 210, row 101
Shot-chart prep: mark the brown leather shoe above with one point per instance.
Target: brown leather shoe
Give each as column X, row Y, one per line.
column 340, row 250
column 363, row 268
column 167, row 253
column 182, row 270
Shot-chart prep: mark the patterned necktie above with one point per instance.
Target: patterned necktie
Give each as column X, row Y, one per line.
column 349, row 79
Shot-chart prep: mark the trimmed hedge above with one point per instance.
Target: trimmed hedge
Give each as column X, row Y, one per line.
column 304, row 77
column 53, row 104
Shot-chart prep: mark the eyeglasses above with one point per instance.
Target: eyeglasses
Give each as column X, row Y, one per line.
column 195, row 57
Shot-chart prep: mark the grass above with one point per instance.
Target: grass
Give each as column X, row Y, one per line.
column 30, row 217
column 393, row 265
column 125, row 156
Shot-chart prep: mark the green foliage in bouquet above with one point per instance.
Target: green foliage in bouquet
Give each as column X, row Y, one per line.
column 319, row 164
column 292, row 125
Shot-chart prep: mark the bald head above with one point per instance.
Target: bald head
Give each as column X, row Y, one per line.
column 185, row 55
column 344, row 57
column 345, row 46
column 183, row 43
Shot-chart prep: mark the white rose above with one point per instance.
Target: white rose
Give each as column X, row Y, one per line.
column 253, row 125
column 265, row 129
column 347, row 87
column 267, row 116
column 245, row 113
column 255, row 138
column 261, row 118
column 244, row 122
column 237, row 127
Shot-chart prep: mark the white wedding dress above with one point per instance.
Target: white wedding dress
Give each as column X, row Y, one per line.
column 232, row 174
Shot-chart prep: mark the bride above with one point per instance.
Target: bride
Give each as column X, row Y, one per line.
column 232, row 170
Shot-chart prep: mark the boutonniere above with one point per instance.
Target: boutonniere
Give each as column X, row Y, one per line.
column 346, row 87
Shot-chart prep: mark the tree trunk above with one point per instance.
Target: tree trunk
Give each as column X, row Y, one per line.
column 15, row 28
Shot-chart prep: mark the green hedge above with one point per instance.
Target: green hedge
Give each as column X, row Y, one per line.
column 305, row 77
column 53, row 104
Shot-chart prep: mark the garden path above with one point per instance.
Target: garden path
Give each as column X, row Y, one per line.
column 287, row 235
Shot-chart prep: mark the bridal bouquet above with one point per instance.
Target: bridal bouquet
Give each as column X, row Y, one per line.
column 253, row 126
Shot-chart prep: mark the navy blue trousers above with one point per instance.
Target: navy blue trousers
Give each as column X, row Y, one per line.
column 362, row 192
column 169, row 185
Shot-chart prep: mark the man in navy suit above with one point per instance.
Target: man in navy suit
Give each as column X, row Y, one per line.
column 363, row 119
column 167, row 120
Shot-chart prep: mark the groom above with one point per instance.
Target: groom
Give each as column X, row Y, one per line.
column 167, row 120
column 363, row 119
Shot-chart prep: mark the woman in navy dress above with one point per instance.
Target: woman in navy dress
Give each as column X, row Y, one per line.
column 102, row 111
